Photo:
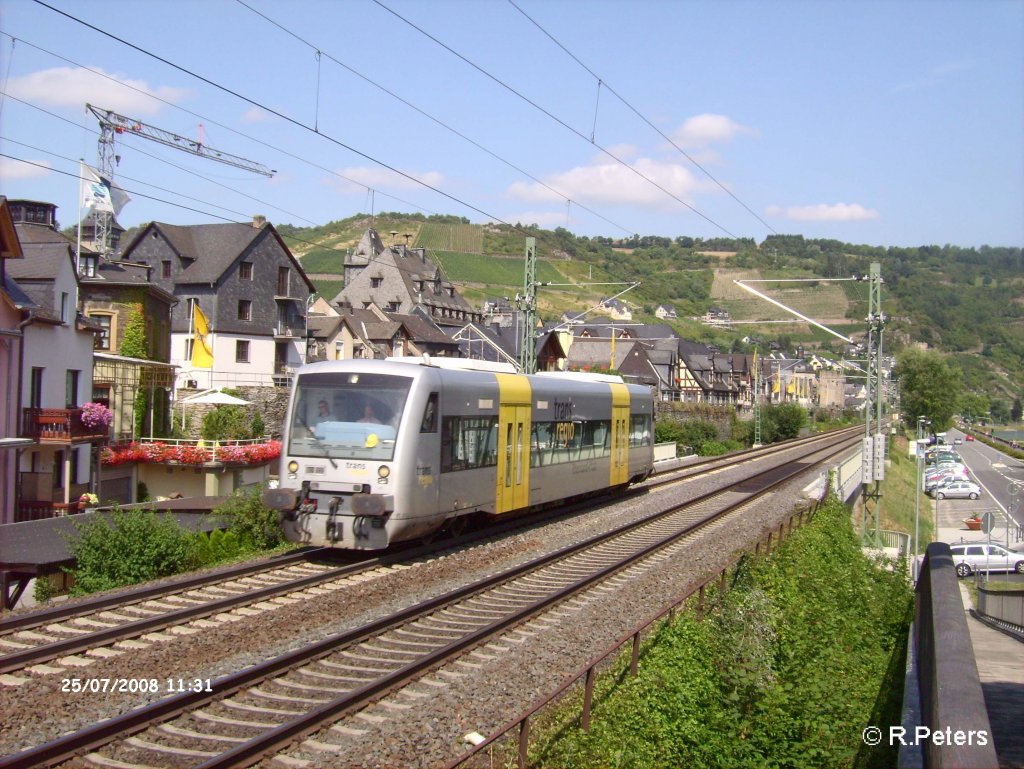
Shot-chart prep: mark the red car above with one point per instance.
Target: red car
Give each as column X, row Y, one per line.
column 970, row 437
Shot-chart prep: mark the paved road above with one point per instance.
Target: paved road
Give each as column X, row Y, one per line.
column 1002, row 481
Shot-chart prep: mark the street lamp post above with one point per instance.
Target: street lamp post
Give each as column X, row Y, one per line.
column 919, row 455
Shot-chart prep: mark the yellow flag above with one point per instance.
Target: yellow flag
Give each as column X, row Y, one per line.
column 202, row 350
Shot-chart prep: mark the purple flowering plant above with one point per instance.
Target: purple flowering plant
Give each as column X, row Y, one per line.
column 96, row 416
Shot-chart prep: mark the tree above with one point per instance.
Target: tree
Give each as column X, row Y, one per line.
column 1016, row 411
column 973, row 406
column 1000, row 411
column 930, row 386
column 786, row 420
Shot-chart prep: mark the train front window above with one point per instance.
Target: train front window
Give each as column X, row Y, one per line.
column 347, row 415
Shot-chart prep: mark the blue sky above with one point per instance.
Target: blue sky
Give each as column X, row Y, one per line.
column 884, row 123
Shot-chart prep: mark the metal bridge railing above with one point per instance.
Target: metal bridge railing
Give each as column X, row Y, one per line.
column 942, row 689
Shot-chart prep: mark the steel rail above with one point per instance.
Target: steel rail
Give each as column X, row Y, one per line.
column 15, row 661
column 263, row 745
column 149, row 592
column 68, row 746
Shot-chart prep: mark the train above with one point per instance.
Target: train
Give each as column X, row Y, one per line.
column 379, row 452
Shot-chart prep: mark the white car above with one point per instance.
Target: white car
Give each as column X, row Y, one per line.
column 957, row 490
column 971, row 558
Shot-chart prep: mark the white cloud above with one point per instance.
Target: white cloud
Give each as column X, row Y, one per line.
column 822, row 212
column 76, row 86
column 614, row 183
column 378, row 178
column 706, row 129
column 15, row 170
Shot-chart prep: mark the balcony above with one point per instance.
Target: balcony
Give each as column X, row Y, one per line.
column 293, row 331
column 197, row 453
column 57, row 426
column 37, row 511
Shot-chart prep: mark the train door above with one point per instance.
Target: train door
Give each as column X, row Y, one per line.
column 620, row 435
column 513, row 476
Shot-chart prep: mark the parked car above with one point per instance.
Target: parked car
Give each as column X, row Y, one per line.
column 932, row 479
column 931, row 484
column 957, row 490
column 971, row 558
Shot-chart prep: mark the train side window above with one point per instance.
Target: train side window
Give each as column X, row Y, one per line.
column 640, row 430
column 429, row 423
column 467, row 443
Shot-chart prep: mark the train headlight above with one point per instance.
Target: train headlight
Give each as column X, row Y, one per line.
column 383, row 471
column 293, row 466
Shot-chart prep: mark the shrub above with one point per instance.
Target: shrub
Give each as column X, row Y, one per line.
column 712, row 449
column 226, row 423
column 217, row 545
column 127, row 548
column 259, row 429
column 255, row 524
column 694, row 433
column 43, row 590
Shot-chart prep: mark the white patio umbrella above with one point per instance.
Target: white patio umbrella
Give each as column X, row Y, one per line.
column 216, row 398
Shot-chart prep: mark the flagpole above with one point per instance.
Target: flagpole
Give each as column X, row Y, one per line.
column 191, row 316
column 78, row 243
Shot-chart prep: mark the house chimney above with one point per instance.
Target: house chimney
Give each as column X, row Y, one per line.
column 258, row 220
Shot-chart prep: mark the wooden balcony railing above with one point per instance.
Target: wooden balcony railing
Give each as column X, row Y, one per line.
column 57, row 426
column 37, row 511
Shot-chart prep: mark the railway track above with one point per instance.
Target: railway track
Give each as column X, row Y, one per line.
column 254, row 713
column 73, row 636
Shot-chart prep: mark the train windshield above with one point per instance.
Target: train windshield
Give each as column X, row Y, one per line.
column 347, row 415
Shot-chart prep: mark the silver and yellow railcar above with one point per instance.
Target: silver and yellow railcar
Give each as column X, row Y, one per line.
column 378, row 452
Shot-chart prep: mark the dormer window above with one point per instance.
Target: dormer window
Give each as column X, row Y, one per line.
column 87, row 265
column 376, row 282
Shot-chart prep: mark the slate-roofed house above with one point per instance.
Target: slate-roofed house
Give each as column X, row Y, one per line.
column 665, row 312
column 250, row 288
column 117, row 295
column 398, row 279
column 56, row 370
column 617, row 309
column 626, row 356
column 13, row 302
column 493, row 343
column 373, row 333
column 716, row 316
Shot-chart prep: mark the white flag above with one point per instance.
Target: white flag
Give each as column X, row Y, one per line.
column 99, row 194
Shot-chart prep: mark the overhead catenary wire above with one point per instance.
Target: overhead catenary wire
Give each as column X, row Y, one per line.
column 244, row 220
column 427, row 115
column 552, row 116
column 149, row 155
column 129, row 178
column 270, row 110
column 208, row 120
column 602, row 82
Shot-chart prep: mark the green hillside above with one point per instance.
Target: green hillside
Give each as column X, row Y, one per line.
column 966, row 302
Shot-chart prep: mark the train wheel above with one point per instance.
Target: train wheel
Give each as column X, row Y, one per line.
column 456, row 526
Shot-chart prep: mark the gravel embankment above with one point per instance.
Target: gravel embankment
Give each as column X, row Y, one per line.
column 431, row 731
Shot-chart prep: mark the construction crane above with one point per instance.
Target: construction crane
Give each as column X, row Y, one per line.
column 112, row 125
